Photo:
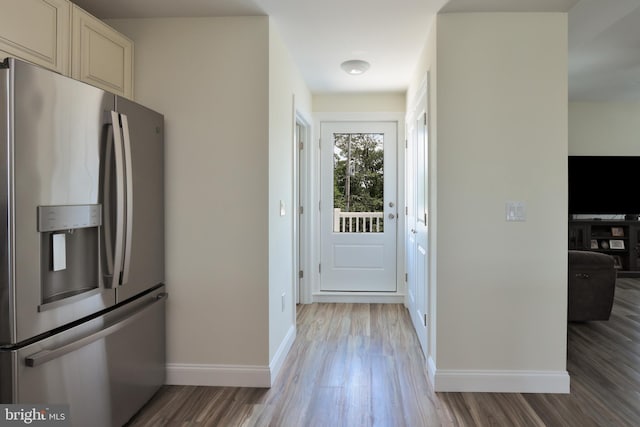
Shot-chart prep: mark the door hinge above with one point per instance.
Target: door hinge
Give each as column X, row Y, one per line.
column 319, row 206
column 406, row 210
column 425, row 118
column 302, row 145
column 319, row 143
column 319, row 268
column 406, row 277
column 301, row 210
column 425, row 319
column 301, row 274
column 406, row 143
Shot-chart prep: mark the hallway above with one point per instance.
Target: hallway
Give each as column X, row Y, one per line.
column 350, row 365
column 358, row 365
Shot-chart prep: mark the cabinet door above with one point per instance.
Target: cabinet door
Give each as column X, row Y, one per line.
column 36, row 31
column 101, row 56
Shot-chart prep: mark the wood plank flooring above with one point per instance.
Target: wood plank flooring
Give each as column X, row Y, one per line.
column 360, row 365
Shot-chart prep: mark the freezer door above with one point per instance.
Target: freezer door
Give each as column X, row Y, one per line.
column 105, row 369
column 143, row 259
column 53, row 133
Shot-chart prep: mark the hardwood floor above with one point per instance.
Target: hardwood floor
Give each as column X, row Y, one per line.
column 358, row 365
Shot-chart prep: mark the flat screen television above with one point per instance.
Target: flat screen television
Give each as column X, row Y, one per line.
column 604, row 185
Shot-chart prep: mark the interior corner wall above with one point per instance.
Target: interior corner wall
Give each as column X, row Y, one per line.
column 604, row 128
column 426, row 63
column 209, row 76
column 288, row 94
column 502, row 136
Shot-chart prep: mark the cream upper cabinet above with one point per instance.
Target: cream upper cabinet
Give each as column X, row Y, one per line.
column 100, row 55
column 37, row 31
column 60, row 36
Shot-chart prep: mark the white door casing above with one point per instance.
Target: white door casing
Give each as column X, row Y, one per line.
column 353, row 260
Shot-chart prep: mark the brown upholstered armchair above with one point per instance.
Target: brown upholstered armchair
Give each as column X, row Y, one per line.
column 592, row 283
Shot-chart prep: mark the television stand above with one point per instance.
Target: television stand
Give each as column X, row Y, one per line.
column 618, row 238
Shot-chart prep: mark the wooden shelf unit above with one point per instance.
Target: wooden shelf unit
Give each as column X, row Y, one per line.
column 620, row 239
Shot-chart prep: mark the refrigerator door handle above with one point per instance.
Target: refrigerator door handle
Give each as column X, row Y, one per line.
column 106, row 191
column 120, row 207
column 129, row 199
column 47, row 355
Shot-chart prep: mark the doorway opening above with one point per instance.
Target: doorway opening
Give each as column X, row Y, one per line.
column 379, row 133
column 417, row 184
column 358, row 221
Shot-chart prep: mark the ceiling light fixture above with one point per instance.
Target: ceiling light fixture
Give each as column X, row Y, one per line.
column 355, row 67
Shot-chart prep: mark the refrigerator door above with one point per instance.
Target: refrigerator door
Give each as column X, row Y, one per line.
column 53, row 131
column 143, row 259
column 105, row 369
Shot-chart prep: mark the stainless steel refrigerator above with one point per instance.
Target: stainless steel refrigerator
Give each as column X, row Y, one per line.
column 82, row 297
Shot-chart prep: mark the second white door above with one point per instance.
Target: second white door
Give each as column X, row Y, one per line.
column 417, row 228
column 358, row 206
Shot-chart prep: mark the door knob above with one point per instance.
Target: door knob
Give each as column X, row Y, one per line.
column 391, row 216
column 391, row 204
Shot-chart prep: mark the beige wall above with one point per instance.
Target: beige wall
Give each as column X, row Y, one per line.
column 502, row 136
column 358, row 103
column 604, row 128
column 210, row 77
column 287, row 93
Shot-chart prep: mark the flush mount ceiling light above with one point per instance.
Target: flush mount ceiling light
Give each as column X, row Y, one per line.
column 355, row 66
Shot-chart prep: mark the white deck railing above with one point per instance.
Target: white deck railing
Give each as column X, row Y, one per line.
column 357, row 222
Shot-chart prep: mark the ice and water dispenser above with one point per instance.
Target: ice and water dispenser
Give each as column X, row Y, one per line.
column 69, row 251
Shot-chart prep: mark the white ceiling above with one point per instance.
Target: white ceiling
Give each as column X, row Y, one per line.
column 604, row 51
column 604, row 36
column 320, row 34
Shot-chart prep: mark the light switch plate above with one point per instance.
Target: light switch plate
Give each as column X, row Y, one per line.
column 515, row 211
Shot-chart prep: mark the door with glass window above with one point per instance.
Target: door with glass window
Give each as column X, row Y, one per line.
column 358, row 206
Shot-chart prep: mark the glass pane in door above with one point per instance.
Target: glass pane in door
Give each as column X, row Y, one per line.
column 358, row 182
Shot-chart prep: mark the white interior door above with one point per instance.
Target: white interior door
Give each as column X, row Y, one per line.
column 410, row 232
column 358, row 206
column 417, row 229
column 299, row 241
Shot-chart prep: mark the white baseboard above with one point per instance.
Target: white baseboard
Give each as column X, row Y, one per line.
column 358, row 298
column 498, row 381
column 231, row 375
column 281, row 354
column 218, row 375
column 431, row 370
